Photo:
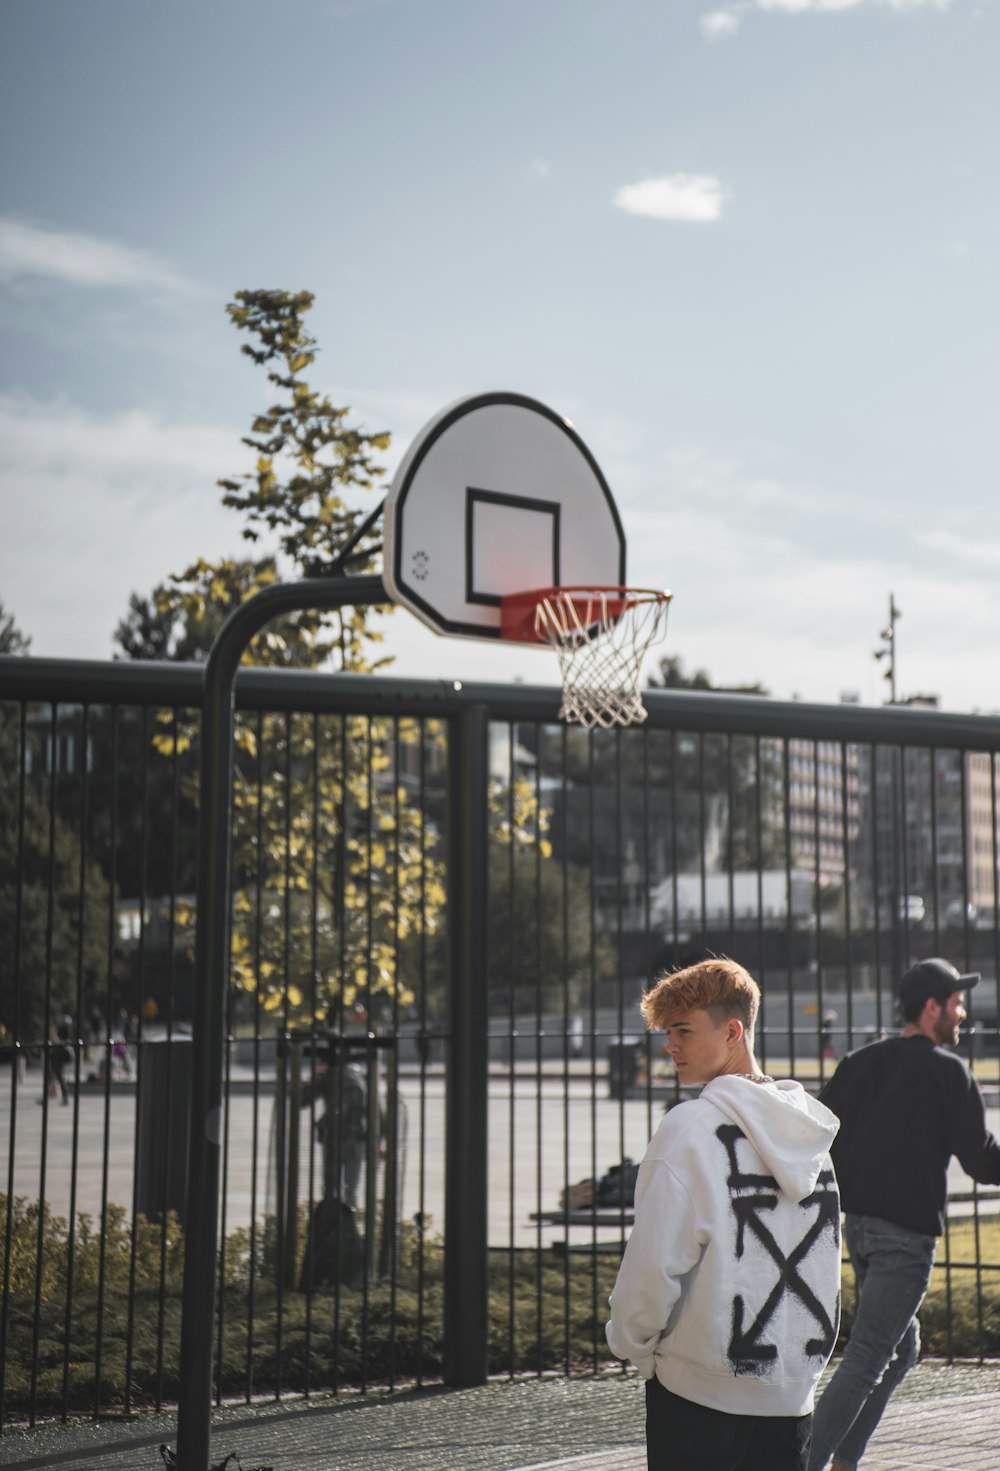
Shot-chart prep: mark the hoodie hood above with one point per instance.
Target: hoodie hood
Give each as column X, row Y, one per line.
column 788, row 1128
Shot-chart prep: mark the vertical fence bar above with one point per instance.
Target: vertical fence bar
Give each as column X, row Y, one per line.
column 258, row 921
column 140, row 971
column 170, row 1125
column 539, row 1000
column 845, row 840
column 108, row 1048
column 389, row 1242
column 332, row 1158
column 789, row 905
column 591, row 741
column 16, row 1051
column 81, row 910
column 45, row 1052
column 369, row 1241
column 312, row 1234
column 758, row 816
column 817, row 838
column 465, row 1281
column 423, row 1049
column 569, row 1025
column 514, row 954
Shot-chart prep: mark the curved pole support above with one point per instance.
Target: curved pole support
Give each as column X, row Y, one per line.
column 211, row 975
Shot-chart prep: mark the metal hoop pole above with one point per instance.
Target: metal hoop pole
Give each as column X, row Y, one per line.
column 211, row 979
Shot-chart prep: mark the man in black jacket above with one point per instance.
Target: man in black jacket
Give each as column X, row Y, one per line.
column 905, row 1107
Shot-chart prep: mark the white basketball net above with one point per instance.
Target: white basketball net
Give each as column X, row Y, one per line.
column 601, row 636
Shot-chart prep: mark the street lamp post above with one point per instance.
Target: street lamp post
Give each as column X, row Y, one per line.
column 896, row 898
column 888, row 649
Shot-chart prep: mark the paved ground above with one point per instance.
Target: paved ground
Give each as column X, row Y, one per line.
column 945, row 1418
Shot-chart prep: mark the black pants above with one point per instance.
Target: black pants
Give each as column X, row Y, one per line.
column 683, row 1436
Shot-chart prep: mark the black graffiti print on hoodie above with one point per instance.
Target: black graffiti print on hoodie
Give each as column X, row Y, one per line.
column 753, row 1198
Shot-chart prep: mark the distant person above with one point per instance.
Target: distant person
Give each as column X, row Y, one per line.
column 347, row 1099
column 60, row 1057
column 727, row 1299
column 905, row 1107
column 96, row 1025
column 826, row 1036
column 353, row 1108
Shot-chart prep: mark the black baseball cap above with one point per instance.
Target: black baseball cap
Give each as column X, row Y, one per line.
column 934, row 978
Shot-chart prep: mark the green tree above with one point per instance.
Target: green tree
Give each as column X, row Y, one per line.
column 671, row 676
column 180, row 620
column 12, row 640
column 337, row 873
column 311, row 463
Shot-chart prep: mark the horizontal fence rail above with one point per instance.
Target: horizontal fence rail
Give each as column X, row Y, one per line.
column 823, row 847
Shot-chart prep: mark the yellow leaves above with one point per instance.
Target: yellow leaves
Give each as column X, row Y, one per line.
column 246, row 738
column 435, row 895
column 173, row 740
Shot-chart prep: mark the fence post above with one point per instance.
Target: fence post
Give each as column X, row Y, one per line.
column 465, row 1272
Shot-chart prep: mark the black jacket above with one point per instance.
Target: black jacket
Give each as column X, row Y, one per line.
column 905, row 1107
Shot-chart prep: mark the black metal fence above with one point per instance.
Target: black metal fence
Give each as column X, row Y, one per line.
column 824, row 847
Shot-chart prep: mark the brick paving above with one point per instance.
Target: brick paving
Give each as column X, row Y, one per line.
column 945, row 1418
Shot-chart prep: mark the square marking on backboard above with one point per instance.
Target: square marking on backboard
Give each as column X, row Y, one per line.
column 512, row 544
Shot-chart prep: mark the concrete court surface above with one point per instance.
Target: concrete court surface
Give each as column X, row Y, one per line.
column 944, row 1418
column 537, row 1136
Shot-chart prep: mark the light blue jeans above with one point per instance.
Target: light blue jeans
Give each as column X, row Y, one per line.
column 893, row 1269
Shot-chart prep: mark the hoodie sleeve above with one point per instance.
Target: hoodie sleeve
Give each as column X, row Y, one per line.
column 662, row 1248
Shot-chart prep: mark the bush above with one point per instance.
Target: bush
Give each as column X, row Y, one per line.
column 102, row 1321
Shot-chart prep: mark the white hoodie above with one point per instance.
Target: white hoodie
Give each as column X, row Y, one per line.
column 729, row 1289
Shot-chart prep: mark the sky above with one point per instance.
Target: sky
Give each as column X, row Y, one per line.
column 749, row 248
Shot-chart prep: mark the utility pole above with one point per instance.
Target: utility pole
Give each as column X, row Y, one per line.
column 888, row 649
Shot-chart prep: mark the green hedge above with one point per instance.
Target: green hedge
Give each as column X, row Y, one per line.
column 546, row 1313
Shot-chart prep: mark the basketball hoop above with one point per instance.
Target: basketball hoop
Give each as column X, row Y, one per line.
column 601, row 635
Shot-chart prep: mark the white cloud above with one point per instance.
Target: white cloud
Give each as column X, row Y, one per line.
column 797, row 7
column 717, row 24
column 81, row 260
column 690, row 197
column 99, row 506
column 786, row 582
column 972, row 549
column 540, row 168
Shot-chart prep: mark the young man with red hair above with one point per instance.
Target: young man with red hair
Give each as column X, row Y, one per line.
column 727, row 1299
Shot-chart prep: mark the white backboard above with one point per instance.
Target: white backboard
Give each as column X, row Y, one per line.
column 497, row 494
